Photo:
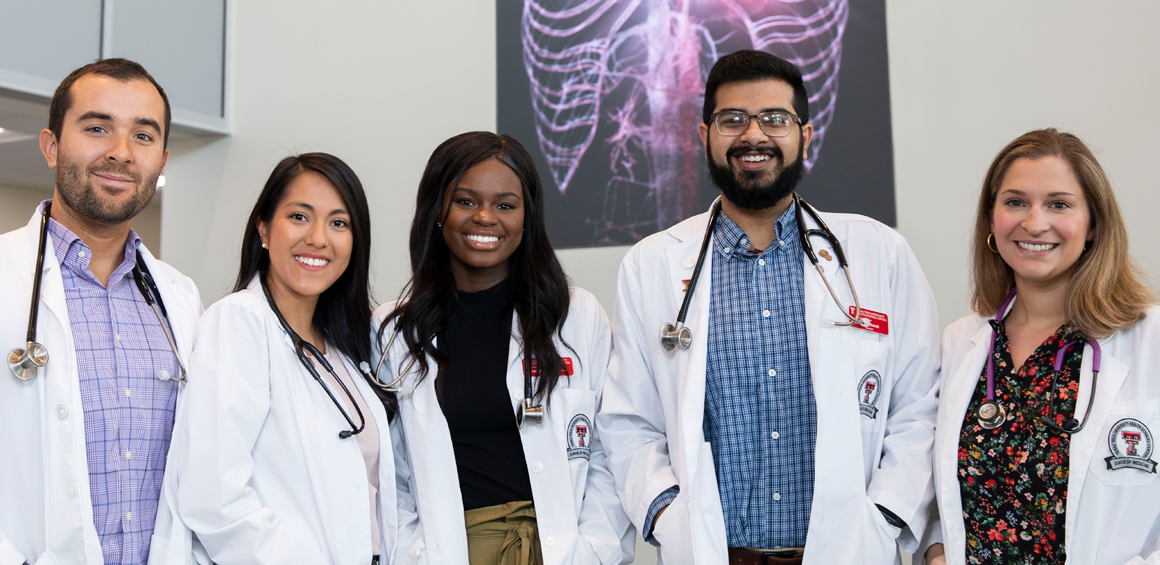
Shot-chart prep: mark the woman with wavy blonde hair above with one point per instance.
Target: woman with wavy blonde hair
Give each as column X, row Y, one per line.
column 1044, row 452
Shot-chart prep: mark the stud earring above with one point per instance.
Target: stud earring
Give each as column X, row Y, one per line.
column 991, row 243
column 264, row 245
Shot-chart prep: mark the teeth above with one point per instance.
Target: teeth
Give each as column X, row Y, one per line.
column 1043, row 247
column 483, row 238
column 754, row 158
column 311, row 262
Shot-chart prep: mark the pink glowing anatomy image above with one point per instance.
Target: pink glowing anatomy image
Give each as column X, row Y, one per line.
column 627, row 77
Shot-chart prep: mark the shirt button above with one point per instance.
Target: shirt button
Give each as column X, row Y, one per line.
column 781, row 242
column 62, row 411
column 765, row 313
column 128, row 455
column 129, row 516
column 81, row 254
column 537, row 467
column 772, row 373
column 728, row 250
column 128, row 392
column 777, row 496
column 117, row 337
column 549, row 541
column 777, row 547
column 775, row 435
column 761, row 262
column 71, row 491
column 161, row 375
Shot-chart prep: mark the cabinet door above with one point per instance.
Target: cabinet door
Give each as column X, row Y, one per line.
column 41, row 42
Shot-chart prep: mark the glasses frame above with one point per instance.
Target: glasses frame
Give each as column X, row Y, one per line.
column 749, row 117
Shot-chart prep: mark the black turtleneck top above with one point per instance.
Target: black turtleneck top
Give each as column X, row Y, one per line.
column 476, row 400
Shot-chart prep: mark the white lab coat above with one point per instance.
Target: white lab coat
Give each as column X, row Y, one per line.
column 578, row 514
column 1112, row 516
column 263, row 477
column 651, row 419
column 46, row 513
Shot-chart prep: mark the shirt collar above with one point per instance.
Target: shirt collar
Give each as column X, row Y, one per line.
column 729, row 239
column 72, row 252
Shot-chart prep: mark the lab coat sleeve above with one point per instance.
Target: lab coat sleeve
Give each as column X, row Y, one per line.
column 410, row 543
column 605, row 530
column 9, row 555
column 631, row 419
column 903, row 481
column 226, row 404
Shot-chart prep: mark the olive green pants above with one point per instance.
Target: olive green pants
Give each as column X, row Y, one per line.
column 503, row 535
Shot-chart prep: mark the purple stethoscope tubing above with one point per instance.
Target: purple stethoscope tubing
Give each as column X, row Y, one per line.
column 1058, row 366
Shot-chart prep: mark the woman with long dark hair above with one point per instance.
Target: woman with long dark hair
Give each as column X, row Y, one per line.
column 284, row 450
column 1049, row 399
column 500, row 367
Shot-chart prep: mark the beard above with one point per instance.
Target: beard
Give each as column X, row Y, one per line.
column 748, row 189
column 79, row 194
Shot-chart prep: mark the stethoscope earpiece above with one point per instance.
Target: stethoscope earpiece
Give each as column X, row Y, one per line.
column 25, row 362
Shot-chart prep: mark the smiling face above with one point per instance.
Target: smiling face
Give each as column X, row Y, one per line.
column 111, row 148
column 309, row 239
column 484, row 224
column 1041, row 221
column 754, row 170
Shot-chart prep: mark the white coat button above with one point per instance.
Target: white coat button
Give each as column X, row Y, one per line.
column 775, row 435
column 765, row 313
column 71, row 491
column 777, row 496
column 161, row 375
column 62, row 411
column 772, row 373
column 537, row 467
column 549, row 541
column 689, row 264
column 761, row 262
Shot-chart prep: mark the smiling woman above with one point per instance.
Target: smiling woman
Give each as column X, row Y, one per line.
column 281, row 462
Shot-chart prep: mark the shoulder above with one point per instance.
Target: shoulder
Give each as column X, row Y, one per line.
column 1141, row 337
column 962, row 330
column 14, row 242
column 176, row 278
column 691, row 229
column 243, row 307
column 583, row 305
column 382, row 311
column 862, row 230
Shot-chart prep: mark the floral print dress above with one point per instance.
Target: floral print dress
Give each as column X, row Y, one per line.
column 1013, row 479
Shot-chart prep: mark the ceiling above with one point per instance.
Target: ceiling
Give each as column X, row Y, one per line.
column 21, row 164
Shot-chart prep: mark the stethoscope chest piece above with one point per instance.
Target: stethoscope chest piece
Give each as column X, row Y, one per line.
column 991, row 415
column 674, row 335
column 25, row 362
column 529, row 414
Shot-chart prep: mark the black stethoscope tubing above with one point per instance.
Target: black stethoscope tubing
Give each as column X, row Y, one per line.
column 679, row 334
column 37, row 354
column 301, row 347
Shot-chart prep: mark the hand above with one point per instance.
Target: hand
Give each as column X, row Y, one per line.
column 935, row 556
column 657, row 519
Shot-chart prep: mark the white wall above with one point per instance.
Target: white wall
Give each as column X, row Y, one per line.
column 17, row 204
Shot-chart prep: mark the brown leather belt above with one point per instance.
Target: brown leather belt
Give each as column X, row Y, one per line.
column 752, row 556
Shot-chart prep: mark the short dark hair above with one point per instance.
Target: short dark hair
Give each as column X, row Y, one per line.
column 749, row 66
column 123, row 70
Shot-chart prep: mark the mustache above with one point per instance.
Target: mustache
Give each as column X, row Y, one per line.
column 121, row 171
column 771, row 150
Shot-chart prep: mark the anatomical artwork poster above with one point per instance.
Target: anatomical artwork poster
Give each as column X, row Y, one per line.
column 607, row 96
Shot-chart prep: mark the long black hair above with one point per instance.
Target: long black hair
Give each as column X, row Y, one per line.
column 343, row 314
column 539, row 287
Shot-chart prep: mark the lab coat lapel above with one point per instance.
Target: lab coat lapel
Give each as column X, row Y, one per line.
column 1084, row 444
column 691, row 365
column 181, row 323
column 515, row 372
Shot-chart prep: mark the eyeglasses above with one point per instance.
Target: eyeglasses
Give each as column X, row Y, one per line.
column 774, row 124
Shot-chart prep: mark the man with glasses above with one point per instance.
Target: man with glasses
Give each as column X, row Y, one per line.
column 787, row 416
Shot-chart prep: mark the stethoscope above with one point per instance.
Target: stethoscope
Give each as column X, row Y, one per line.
column 527, row 413
column 673, row 335
column 25, row 362
column 992, row 414
column 301, row 347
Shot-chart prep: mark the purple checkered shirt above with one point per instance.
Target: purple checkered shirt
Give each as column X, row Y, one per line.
column 121, row 350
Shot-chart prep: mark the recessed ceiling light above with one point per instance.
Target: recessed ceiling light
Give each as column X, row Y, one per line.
column 1, row 130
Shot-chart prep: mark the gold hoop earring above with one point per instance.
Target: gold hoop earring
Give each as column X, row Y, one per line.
column 991, row 243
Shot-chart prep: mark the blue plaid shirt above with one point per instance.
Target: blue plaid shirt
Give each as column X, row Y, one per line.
column 121, row 351
column 760, row 417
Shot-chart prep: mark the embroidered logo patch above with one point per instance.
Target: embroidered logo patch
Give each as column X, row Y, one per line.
column 578, row 441
column 1131, row 445
column 869, row 389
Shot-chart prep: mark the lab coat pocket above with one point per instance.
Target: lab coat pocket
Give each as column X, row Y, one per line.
column 673, row 531
column 1126, row 454
column 873, row 382
column 879, row 543
column 577, row 411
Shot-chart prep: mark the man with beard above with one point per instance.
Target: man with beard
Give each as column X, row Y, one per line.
column 776, row 429
column 86, row 419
